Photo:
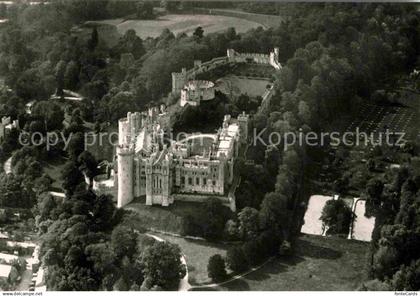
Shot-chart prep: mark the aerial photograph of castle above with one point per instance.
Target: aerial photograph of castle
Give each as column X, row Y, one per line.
column 214, row 146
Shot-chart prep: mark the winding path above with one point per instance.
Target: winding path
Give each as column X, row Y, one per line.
column 234, row 278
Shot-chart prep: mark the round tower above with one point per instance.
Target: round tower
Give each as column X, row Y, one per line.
column 125, row 157
column 123, row 131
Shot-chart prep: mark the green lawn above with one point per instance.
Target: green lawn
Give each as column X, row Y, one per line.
column 197, row 254
column 168, row 219
column 182, row 23
column 320, row 264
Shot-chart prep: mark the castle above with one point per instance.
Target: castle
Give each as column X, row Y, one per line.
column 163, row 170
column 193, row 91
column 192, row 168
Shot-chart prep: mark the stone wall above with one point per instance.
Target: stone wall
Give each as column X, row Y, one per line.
column 180, row 79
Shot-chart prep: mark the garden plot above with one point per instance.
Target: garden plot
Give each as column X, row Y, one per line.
column 312, row 223
column 234, row 85
column 375, row 118
column 362, row 225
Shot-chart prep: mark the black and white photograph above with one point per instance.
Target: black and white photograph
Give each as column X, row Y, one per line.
column 217, row 146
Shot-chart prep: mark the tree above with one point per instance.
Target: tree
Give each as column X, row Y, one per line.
column 104, row 212
column 71, row 177
column 29, row 85
column 130, row 43
column 216, row 268
column 236, row 260
column 88, row 163
column 71, row 75
column 162, row 265
column 214, row 219
column 169, row 5
column 50, row 113
column 285, row 248
column 198, row 32
column 375, row 285
column 248, row 223
column 76, row 145
column 124, row 242
column 94, row 39
column 386, row 261
column 118, row 8
column 273, row 212
column 46, row 204
column 374, row 191
column 102, row 256
column 253, row 252
column 144, row 10
column 407, row 278
column 3, row 10
column 336, row 215
column 304, row 112
column 60, row 70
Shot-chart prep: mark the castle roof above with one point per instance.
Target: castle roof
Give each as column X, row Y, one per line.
column 226, row 140
column 161, row 156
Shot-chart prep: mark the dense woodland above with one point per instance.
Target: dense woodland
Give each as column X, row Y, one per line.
column 334, row 55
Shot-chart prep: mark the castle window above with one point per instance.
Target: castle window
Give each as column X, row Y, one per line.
column 204, row 181
column 160, row 183
column 190, row 181
column 214, row 183
column 182, row 180
column 197, row 181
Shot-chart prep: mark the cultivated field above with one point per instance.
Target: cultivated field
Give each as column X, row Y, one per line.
column 319, row 264
column 182, row 23
column 377, row 118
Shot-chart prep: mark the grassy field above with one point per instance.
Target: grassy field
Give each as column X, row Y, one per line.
column 320, row 264
column 197, row 254
column 264, row 19
column 182, row 23
column 236, row 85
column 167, row 219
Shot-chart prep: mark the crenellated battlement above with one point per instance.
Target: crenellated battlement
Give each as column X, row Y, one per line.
column 180, row 79
column 124, row 150
column 196, row 91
